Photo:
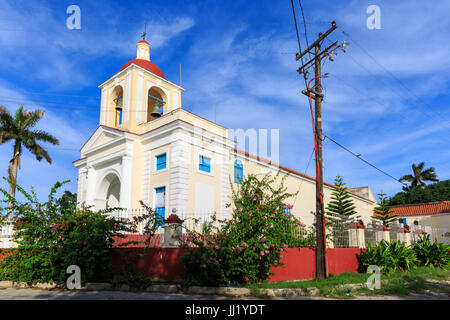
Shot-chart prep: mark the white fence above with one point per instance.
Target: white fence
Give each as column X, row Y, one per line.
column 6, row 232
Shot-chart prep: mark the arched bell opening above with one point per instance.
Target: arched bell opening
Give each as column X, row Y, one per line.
column 157, row 103
column 117, row 99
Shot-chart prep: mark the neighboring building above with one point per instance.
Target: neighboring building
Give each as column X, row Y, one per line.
column 149, row 148
column 433, row 218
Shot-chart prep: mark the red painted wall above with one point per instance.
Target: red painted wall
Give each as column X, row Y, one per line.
column 161, row 263
column 342, row 260
column 299, row 263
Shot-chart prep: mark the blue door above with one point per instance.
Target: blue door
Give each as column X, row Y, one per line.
column 160, row 202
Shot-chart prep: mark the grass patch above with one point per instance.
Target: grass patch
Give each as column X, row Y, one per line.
column 398, row 283
column 333, row 280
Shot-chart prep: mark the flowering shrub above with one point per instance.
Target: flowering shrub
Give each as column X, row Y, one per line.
column 56, row 234
column 244, row 248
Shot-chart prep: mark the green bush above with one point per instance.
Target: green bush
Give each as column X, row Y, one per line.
column 389, row 257
column 246, row 247
column 432, row 254
column 27, row 264
column 56, row 234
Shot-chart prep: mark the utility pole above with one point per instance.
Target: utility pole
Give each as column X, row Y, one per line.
column 316, row 94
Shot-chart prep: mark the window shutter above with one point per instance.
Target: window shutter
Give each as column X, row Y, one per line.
column 161, row 162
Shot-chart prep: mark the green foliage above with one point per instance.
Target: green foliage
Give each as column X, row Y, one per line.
column 435, row 192
column 340, row 212
column 341, row 208
column 244, row 248
column 27, row 264
column 17, row 128
column 432, row 254
column 419, row 176
column 383, row 211
column 389, row 257
column 129, row 276
column 54, row 235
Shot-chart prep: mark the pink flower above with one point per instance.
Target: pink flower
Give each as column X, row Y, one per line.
column 244, row 244
column 250, row 213
column 235, row 211
column 261, row 253
column 286, row 246
column 267, row 251
column 217, row 247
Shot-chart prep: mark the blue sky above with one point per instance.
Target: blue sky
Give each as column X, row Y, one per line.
column 387, row 98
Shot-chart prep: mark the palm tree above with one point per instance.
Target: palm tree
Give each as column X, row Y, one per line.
column 419, row 175
column 17, row 129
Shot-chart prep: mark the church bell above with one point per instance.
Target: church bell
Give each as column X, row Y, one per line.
column 156, row 113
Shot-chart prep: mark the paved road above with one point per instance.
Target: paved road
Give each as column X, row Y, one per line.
column 39, row 294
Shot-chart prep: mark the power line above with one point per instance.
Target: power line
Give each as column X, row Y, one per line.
column 380, row 103
column 394, row 91
column 298, row 38
column 304, row 25
column 411, row 93
column 359, row 157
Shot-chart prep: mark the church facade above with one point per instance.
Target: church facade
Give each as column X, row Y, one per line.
column 148, row 148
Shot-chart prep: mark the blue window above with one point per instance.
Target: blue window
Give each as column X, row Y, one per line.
column 287, row 210
column 160, row 202
column 238, row 172
column 161, row 162
column 204, row 164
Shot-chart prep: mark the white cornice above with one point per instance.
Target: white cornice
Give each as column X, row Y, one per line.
column 118, row 74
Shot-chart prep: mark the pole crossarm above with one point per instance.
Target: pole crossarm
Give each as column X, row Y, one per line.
column 317, row 42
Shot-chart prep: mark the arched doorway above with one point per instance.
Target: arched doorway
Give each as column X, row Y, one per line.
column 113, row 194
column 108, row 193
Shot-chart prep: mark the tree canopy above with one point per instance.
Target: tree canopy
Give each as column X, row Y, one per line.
column 435, row 192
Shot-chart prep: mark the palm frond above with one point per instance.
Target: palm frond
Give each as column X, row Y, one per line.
column 40, row 153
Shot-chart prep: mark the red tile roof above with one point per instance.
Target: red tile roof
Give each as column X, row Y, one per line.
column 148, row 65
column 421, row 209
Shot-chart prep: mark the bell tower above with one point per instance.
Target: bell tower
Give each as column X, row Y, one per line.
column 138, row 94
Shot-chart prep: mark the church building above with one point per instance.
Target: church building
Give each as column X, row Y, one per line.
column 148, row 148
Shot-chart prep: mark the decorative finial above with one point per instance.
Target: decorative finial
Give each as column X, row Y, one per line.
column 145, row 32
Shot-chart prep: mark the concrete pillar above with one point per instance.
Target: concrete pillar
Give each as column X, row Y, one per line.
column 173, row 232
column 382, row 233
column 404, row 235
column 356, row 235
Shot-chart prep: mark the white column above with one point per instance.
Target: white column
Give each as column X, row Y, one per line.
column 91, row 183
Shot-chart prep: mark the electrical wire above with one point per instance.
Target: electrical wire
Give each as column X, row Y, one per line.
column 411, row 93
column 304, row 25
column 318, row 178
column 298, row 38
column 359, row 157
